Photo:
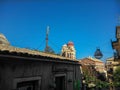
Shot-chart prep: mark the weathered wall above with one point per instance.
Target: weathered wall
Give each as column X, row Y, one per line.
column 13, row 69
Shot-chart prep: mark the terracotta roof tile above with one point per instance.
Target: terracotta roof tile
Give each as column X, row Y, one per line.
column 12, row 49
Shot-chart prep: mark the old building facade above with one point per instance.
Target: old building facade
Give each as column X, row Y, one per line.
column 116, row 44
column 68, row 50
column 94, row 66
column 98, row 64
column 111, row 64
column 24, row 69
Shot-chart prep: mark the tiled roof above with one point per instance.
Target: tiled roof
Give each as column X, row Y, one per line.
column 94, row 59
column 90, row 61
column 12, row 49
column 110, row 59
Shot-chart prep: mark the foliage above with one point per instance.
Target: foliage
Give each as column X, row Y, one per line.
column 98, row 83
column 116, row 76
column 101, row 84
column 77, row 85
column 95, row 80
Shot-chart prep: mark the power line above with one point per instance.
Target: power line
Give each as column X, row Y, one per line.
column 41, row 44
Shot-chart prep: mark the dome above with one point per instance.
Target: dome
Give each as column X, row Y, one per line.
column 3, row 40
column 64, row 45
column 70, row 43
column 98, row 54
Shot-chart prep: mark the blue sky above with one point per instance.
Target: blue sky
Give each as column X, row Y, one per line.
column 88, row 23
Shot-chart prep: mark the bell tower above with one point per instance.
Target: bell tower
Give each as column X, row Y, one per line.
column 69, row 51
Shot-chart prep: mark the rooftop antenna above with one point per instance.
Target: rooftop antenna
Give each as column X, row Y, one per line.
column 47, row 48
column 47, row 33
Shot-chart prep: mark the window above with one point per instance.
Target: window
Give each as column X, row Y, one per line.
column 31, row 83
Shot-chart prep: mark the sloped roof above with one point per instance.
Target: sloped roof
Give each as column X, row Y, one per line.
column 110, row 59
column 6, row 47
column 12, row 49
column 94, row 59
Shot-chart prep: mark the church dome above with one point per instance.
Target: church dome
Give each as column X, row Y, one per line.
column 64, row 45
column 70, row 43
column 3, row 40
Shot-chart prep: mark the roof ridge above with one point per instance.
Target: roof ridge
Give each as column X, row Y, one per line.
column 94, row 59
column 33, row 52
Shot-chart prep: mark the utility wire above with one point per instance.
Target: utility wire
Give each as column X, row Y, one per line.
column 58, row 48
column 41, row 44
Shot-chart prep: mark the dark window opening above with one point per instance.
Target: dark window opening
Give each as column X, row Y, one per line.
column 60, row 83
column 28, row 85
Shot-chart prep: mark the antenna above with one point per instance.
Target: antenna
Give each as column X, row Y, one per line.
column 47, row 33
column 47, row 48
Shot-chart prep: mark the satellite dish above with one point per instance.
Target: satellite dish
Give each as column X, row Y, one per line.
column 98, row 54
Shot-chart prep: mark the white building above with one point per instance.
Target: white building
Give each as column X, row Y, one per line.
column 68, row 50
